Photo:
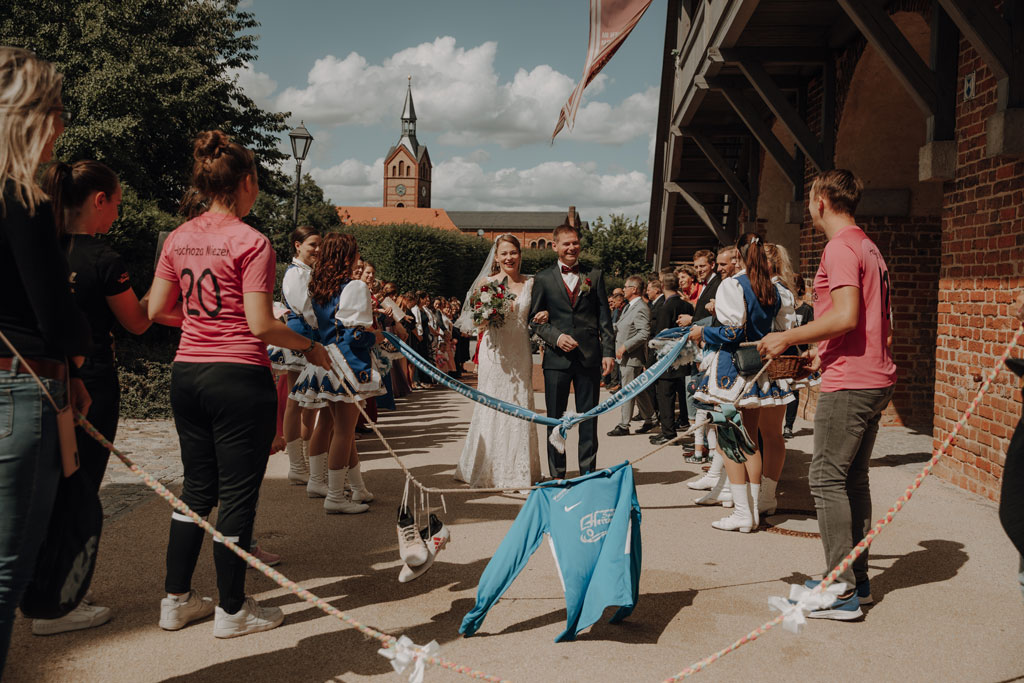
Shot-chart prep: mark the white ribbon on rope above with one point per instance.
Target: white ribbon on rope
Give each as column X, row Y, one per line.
column 803, row 600
column 404, row 652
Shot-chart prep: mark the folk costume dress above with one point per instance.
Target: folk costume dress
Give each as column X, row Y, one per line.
column 743, row 319
column 300, row 318
column 344, row 324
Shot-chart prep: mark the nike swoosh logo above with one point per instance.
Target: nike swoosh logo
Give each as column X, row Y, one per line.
column 570, row 507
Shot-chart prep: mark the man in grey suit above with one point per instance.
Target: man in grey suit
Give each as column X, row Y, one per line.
column 632, row 330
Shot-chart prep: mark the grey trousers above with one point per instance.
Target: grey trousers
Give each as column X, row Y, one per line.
column 643, row 401
column 845, row 427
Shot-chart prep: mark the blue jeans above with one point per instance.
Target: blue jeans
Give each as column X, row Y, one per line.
column 29, row 473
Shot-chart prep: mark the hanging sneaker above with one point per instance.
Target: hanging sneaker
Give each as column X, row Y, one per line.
column 411, row 547
column 175, row 612
column 436, row 537
column 251, row 618
column 82, row 617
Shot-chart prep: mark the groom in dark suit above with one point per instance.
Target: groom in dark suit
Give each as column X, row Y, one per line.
column 579, row 338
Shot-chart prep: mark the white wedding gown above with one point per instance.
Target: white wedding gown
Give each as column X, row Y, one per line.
column 501, row 450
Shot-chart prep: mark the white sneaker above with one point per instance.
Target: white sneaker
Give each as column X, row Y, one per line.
column 176, row 613
column 436, row 537
column 250, row 619
column 83, row 616
column 411, row 547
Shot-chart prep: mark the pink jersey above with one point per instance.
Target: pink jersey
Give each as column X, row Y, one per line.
column 215, row 259
column 860, row 359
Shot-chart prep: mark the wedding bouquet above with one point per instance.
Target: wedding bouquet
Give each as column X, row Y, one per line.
column 491, row 303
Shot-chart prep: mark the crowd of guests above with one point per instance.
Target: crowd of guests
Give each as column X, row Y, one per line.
column 313, row 365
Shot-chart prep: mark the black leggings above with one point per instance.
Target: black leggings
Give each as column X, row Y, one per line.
column 100, row 379
column 225, row 414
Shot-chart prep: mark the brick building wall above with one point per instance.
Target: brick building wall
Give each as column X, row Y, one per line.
column 981, row 272
column 911, row 246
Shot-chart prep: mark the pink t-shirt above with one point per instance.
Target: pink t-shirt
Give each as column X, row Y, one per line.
column 215, row 259
column 860, row 359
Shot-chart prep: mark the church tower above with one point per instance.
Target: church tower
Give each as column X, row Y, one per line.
column 407, row 167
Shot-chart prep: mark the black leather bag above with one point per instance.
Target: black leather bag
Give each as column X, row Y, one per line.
column 67, row 557
column 747, row 360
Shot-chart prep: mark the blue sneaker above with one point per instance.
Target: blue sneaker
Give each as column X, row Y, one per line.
column 863, row 590
column 843, row 609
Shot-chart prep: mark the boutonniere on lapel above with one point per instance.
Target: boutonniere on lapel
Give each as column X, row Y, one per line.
column 584, row 285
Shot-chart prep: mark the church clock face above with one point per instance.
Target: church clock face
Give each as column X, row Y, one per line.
column 400, row 189
column 423, row 190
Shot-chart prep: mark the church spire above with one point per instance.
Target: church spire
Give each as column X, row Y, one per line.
column 409, row 113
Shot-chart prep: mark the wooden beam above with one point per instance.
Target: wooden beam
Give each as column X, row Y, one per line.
column 897, row 52
column 698, row 208
column 985, row 30
column 770, row 55
column 785, row 113
column 701, row 187
column 944, row 57
column 764, row 135
column 716, row 159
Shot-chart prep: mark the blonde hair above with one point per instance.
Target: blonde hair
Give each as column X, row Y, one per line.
column 29, row 92
column 780, row 265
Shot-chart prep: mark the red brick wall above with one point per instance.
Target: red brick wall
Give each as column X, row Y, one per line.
column 983, row 250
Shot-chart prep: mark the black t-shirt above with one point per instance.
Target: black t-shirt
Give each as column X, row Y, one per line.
column 39, row 315
column 97, row 272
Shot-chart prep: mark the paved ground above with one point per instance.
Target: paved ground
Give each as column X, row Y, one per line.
column 943, row 576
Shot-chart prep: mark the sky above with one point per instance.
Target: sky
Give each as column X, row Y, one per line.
column 488, row 81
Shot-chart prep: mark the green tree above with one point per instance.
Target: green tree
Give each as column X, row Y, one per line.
column 143, row 77
column 272, row 214
column 619, row 246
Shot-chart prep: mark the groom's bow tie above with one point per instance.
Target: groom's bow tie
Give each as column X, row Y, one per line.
column 570, row 269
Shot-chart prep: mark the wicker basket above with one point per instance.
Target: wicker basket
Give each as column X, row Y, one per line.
column 789, row 367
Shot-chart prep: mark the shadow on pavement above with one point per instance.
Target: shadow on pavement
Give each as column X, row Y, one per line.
column 938, row 561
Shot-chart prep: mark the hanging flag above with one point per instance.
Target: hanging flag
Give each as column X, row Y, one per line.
column 610, row 24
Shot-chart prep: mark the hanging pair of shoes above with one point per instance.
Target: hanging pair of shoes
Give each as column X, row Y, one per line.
column 418, row 549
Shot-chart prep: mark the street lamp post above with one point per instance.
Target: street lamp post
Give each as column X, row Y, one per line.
column 301, row 139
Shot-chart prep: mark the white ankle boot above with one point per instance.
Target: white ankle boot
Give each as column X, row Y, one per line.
column 767, row 503
column 360, row 494
column 316, row 487
column 710, row 478
column 740, row 519
column 336, row 502
column 298, row 470
column 720, row 493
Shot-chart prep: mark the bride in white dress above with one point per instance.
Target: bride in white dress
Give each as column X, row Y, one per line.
column 501, row 450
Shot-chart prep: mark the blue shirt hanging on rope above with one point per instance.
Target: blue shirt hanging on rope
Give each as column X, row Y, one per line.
column 593, row 525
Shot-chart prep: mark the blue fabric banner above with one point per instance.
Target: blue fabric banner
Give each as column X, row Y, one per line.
column 672, row 345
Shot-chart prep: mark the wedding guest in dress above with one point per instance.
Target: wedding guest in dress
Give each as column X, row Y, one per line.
column 748, row 306
column 222, row 391
column 39, row 318
column 501, row 450
column 304, row 435
column 344, row 311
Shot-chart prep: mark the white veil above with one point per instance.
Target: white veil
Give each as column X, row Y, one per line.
column 465, row 320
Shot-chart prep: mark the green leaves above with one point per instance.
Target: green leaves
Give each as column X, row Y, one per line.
column 620, row 247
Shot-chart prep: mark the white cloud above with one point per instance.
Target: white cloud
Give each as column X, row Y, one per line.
column 459, row 95
column 460, row 183
column 257, row 85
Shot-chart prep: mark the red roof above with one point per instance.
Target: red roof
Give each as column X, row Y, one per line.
column 381, row 215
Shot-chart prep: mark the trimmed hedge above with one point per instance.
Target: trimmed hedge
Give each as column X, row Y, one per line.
column 440, row 262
